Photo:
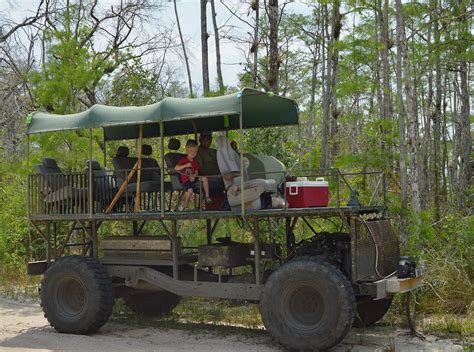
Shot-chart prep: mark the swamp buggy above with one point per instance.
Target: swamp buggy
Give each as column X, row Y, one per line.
column 311, row 289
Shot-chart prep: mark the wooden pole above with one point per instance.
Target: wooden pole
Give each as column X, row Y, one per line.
column 122, row 188
column 139, row 172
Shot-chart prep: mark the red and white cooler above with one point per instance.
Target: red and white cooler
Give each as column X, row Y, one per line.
column 305, row 194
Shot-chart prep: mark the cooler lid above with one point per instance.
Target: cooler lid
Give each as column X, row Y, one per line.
column 318, row 183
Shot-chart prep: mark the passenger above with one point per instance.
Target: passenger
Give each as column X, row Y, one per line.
column 207, row 158
column 189, row 170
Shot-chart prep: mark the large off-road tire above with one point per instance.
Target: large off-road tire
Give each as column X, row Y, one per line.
column 307, row 305
column 156, row 303
column 77, row 295
column 369, row 311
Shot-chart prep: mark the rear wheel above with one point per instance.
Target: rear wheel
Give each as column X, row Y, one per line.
column 307, row 304
column 369, row 311
column 154, row 303
column 76, row 295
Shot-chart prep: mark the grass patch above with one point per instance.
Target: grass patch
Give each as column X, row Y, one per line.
column 16, row 284
column 200, row 315
column 457, row 326
column 450, row 325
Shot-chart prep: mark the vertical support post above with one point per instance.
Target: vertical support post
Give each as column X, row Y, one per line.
column 105, row 152
column 48, row 242
column 289, row 235
column 28, row 176
column 174, row 247
column 354, row 249
column 241, row 141
column 139, row 170
column 55, row 236
column 337, row 189
column 208, row 231
column 162, row 172
column 135, row 228
column 384, row 189
column 256, row 237
column 95, row 244
column 91, row 203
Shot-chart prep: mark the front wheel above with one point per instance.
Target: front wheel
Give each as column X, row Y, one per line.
column 77, row 295
column 307, row 305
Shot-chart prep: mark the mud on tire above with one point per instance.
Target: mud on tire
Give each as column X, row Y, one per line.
column 307, row 305
column 77, row 295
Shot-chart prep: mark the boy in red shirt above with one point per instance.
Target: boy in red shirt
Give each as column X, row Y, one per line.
column 189, row 170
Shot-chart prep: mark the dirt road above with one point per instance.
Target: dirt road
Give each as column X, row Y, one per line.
column 23, row 328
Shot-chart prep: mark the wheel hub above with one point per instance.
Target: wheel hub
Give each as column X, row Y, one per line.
column 71, row 296
column 304, row 307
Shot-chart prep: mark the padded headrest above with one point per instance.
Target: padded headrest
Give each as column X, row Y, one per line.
column 174, row 144
column 146, row 150
column 95, row 165
column 122, row 152
column 50, row 163
column 39, row 169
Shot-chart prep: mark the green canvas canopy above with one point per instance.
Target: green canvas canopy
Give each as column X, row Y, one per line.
column 179, row 116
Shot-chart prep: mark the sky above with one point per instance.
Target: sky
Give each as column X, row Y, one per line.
column 189, row 13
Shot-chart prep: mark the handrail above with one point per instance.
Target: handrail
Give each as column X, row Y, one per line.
column 68, row 193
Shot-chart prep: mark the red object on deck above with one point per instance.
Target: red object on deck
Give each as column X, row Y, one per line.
column 305, row 194
column 217, row 200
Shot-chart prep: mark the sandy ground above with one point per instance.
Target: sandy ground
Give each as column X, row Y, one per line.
column 23, row 328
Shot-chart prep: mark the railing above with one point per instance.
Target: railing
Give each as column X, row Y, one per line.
column 53, row 194
column 58, row 194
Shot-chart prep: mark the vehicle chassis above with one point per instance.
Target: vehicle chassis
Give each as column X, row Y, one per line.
column 137, row 273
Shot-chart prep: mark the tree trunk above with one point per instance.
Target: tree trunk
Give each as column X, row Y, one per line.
column 256, row 41
column 444, row 163
column 412, row 135
column 379, row 87
column 437, row 120
column 220, row 80
column 336, row 31
column 425, row 195
column 464, row 132
column 401, row 125
column 312, row 112
column 273, row 71
column 387, row 97
column 190, row 83
column 204, row 48
column 326, row 84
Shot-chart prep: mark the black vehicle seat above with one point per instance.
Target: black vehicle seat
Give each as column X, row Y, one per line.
column 104, row 184
column 150, row 178
column 54, row 185
column 101, row 179
column 123, row 164
column 171, row 159
column 54, row 177
column 150, row 168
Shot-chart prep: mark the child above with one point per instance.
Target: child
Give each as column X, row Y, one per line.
column 189, row 169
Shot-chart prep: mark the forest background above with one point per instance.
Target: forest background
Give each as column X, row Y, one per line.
column 381, row 84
